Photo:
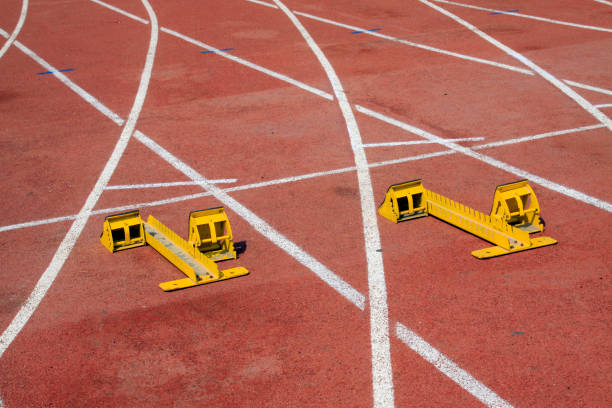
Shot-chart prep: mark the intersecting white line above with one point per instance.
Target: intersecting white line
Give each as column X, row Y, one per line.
column 586, row 105
column 294, row 179
column 605, row 105
column 548, row 20
column 18, row 26
column 438, row 50
column 588, row 87
column 419, row 142
column 570, row 192
column 118, row 10
column 382, row 373
column 65, row 248
column 169, row 184
column 256, row 67
column 100, row 108
column 354, row 296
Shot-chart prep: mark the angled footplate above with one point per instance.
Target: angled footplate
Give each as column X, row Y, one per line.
column 123, row 231
column 211, row 234
column 515, row 215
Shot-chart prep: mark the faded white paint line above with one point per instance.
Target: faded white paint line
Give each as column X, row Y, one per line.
column 67, row 244
column 250, row 65
column 548, row 20
column 419, row 142
column 18, row 26
column 382, row 373
column 169, row 184
column 586, row 105
column 588, row 87
column 118, row 10
column 449, row 368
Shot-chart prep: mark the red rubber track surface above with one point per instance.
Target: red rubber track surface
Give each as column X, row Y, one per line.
column 534, row 327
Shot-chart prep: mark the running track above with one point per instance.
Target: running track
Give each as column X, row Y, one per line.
column 231, row 104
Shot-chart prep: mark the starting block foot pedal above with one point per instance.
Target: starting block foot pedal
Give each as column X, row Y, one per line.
column 123, row 231
column 211, row 234
column 499, row 251
column 404, row 201
column 188, row 283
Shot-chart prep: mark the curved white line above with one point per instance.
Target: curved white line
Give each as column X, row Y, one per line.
column 382, row 375
column 67, row 244
column 586, row 105
column 15, row 33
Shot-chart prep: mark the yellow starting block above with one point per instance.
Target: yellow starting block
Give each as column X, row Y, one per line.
column 123, row 231
column 211, row 234
column 515, row 215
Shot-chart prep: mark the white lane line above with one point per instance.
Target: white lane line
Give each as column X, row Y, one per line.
column 604, row 2
column 64, row 79
column 570, row 192
column 18, row 26
column 586, row 105
column 377, row 291
column 333, row 280
column 589, row 87
column 449, row 368
column 293, row 179
column 170, row 184
column 417, row 45
column 118, row 10
column 437, row 50
column 536, row 137
column 548, row 20
column 329, row 96
column 98, row 105
column 67, row 244
column 304, row 258
column 246, row 63
column 419, row 142
column 605, row 105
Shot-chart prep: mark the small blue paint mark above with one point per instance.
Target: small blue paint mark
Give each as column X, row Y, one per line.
column 504, row 12
column 210, row 52
column 53, row 72
column 518, row 333
column 371, row 29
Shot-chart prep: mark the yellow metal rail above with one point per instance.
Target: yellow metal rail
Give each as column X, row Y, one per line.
column 410, row 200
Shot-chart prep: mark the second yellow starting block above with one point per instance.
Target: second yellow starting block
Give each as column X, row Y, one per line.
column 210, row 241
column 514, row 216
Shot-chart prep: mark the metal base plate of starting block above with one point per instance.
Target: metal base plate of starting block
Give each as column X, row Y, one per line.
column 499, row 251
column 187, row 283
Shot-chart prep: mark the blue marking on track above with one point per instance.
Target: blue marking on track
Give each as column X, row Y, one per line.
column 504, row 12
column 210, row 52
column 53, row 72
column 371, row 29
